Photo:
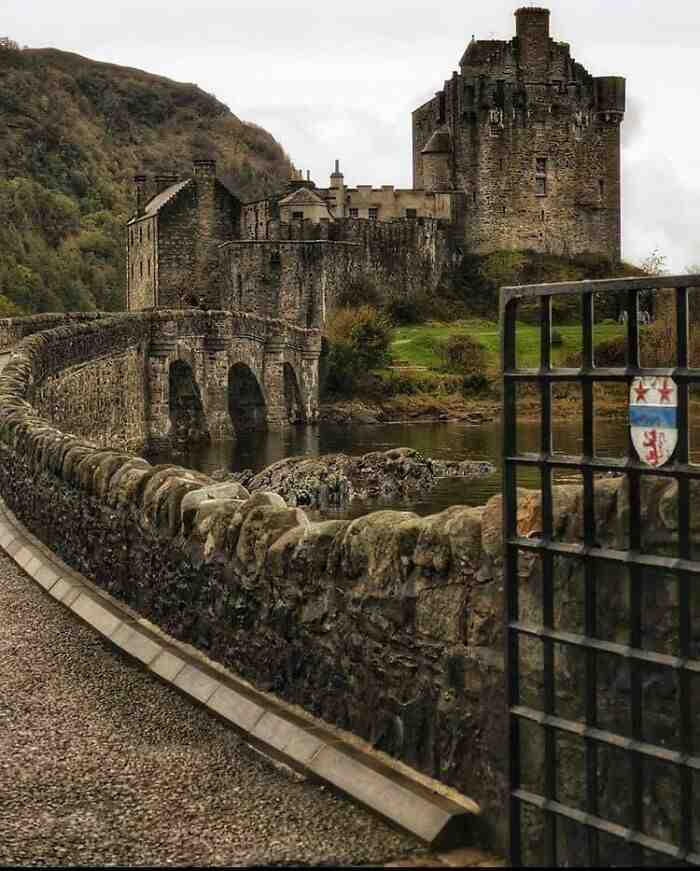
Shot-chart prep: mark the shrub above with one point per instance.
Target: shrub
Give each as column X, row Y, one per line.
column 475, row 382
column 361, row 290
column 557, row 338
column 462, row 354
column 358, row 341
column 407, row 305
column 611, row 352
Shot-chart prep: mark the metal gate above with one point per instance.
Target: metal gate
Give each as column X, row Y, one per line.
column 632, row 792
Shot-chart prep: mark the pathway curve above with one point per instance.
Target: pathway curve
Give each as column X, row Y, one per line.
column 102, row 764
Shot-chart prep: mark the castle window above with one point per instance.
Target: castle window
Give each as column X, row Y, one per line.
column 353, row 213
column 297, row 216
column 140, row 234
column 601, row 188
column 240, row 290
column 148, row 232
column 140, row 268
column 541, row 176
column 411, row 213
column 373, row 214
column 149, row 266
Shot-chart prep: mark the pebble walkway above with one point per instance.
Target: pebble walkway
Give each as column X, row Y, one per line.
column 101, row 764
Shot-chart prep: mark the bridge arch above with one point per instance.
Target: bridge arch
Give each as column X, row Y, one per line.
column 187, row 418
column 246, row 401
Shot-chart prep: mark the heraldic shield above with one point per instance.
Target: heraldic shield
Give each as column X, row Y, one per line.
column 653, row 419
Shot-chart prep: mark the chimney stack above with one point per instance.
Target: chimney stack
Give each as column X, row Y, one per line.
column 140, row 182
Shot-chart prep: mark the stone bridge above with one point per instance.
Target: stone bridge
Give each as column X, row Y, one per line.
column 215, row 374
column 153, row 378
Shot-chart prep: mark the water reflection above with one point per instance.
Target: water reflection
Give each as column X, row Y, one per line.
column 454, row 440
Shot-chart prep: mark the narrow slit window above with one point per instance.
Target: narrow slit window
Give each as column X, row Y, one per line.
column 601, row 188
column 541, row 176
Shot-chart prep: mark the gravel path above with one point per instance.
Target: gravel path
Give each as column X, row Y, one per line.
column 101, row 764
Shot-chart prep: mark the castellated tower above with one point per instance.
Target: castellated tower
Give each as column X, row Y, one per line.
column 530, row 141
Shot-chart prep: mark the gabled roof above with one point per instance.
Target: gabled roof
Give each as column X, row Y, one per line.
column 159, row 200
column 439, row 143
column 479, row 51
column 302, row 197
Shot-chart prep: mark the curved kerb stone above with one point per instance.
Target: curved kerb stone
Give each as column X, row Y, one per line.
column 435, row 814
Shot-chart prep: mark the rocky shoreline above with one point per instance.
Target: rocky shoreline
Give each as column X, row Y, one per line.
column 336, row 480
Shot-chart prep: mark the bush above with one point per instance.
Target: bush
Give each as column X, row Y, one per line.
column 557, row 338
column 362, row 290
column 475, row 382
column 462, row 354
column 407, row 306
column 358, row 341
column 610, row 353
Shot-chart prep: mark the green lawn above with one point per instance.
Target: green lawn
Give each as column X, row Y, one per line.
column 413, row 346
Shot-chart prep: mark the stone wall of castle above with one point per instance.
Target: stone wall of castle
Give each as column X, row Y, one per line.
column 142, row 263
column 535, row 145
column 298, row 274
column 389, row 625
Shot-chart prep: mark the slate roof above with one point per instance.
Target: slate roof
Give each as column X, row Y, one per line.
column 159, row 200
column 480, row 51
column 439, row 143
column 302, row 197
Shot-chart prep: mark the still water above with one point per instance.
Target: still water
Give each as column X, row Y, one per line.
column 451, row 441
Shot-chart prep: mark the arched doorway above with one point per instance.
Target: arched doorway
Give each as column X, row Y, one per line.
column 189, row 423
column 292, row 396
column 246, row 403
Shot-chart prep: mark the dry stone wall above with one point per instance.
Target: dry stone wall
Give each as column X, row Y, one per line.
column 389, row 625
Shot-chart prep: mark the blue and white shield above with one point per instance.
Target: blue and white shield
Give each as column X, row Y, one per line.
column 653, row 419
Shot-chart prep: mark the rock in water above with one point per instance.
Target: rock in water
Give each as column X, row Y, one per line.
column 335, row 480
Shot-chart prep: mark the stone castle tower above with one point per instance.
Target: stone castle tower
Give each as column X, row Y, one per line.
column 530, row 142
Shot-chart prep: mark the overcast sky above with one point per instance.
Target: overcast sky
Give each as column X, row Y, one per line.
column 339, row 79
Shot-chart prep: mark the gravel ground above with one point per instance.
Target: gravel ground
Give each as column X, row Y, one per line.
column 101, row 764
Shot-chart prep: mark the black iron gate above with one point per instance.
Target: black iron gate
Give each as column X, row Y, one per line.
column 633, row 793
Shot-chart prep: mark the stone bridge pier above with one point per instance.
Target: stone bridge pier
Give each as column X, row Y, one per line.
column 237, row 374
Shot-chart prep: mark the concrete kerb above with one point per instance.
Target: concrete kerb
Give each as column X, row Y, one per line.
column 409, row 800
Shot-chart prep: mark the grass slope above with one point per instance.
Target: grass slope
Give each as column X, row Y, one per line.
column 415, row 345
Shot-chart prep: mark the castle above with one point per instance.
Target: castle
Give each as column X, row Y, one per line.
column 519, row 150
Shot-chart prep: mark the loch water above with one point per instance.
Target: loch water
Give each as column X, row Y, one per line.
column 453, row 440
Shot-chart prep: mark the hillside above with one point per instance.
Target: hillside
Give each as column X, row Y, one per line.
column 74, row 133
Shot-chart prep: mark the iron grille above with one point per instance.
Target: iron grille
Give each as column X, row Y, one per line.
column 632, row 837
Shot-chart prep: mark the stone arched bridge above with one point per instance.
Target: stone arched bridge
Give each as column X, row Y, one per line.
column 151, row 378
column 217, row 373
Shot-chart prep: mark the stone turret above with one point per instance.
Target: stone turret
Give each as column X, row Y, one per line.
column 337, row 186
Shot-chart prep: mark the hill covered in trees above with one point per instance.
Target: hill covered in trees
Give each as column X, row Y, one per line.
column 73, row 132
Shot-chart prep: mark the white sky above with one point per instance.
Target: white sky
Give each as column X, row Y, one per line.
column 340, row 79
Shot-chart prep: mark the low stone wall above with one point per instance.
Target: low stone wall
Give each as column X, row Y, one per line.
column 389, row 625
column 13, row 330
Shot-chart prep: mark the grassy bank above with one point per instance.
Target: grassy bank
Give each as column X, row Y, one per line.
column 415, row 345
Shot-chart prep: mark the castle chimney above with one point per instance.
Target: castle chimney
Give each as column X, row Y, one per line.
column 204, row 169
column 532, row 31
column 140, row 182
column 338, row 185
column 308, row 175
